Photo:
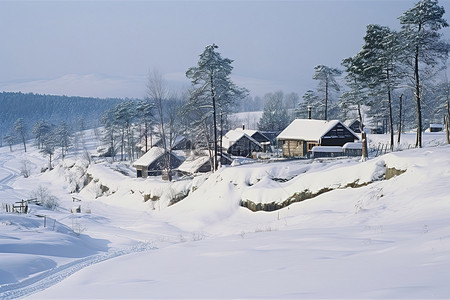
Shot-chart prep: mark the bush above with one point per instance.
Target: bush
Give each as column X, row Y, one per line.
column 25, row 168
column 43, row 195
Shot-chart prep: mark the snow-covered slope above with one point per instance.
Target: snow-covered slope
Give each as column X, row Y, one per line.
column 384, row 239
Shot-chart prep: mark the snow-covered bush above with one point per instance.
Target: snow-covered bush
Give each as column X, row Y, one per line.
column 25, row 168
column 43, row 195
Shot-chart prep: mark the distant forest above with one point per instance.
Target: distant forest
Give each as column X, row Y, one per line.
column 75, row 111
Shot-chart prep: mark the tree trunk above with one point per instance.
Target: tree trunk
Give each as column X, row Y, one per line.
column 400, row 120
column 24, row 143
column 326, row 100
column 221, row 137
column 365, row 152
column 419, row 110
column 146, row 136
column 213, row 96
column 447, row 125
column 391, row 123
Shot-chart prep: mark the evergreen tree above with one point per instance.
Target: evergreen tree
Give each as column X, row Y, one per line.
column 275, row 116
column 427, row 51
column 381, row 55
column 356, row 97
column 212, row 91
column 63, row 138
column 10, row 139
column 49, row 146
column 327, row 83
column 40, row 129
column 110, row 134
column 124, row 114
column 21, row 131
column 310, row 104
column 144, row 110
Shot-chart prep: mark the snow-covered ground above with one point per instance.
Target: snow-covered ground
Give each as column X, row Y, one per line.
column 365, row 237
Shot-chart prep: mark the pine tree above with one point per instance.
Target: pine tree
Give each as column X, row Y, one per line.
column 40, row 129
column 380, row 57
column 327, row 83
column 275, row 116
column 310, row 104
column 10, row 139
column 420, row 26
column 21, row 131
column 357, row 97
column 212, row 91
column 63, row 135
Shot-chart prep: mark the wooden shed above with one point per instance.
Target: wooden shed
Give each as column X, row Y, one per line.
column 303, row 134
column 152, row 163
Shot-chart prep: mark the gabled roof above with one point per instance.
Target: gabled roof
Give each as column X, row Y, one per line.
column 233, row 136
column 308, row 129
column 192, row 164
column 149, row 157
column 251, row 132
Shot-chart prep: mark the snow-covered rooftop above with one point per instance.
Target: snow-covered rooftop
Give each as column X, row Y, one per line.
column 326, row 149
column 149, row 157
column 355, row 145
column 233, row 136
column 192, row 164
column 307, row 129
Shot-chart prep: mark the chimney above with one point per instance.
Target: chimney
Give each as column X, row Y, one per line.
column 309, row 112
column 243, row 126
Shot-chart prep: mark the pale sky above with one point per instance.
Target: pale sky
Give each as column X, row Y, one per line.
column 106, row 48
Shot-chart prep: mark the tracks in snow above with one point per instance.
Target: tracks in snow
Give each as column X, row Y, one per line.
column 55, row 275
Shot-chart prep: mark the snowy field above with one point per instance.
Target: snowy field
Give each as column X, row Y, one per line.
column 365, row 237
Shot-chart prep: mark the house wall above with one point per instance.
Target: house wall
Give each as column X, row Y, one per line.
column 326, row 154
column 141, row 171
column 244, row 147
column 294, row 148
column 352, row 152
column 337, row 136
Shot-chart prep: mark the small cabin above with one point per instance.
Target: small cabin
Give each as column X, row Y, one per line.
column 238, row 143
column 153, row 162
column 435, row 128
column 302, row 135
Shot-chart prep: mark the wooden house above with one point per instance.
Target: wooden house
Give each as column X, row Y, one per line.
column 152, row 163
column 303, row 134
column 238, row 143
column 354, row 125
column 255, row 134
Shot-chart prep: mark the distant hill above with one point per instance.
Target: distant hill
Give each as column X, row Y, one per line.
column 54, row 109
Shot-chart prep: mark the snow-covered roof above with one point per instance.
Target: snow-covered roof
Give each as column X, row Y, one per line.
column 350, row 145
column 192, row 164
column 350, row 122
column 307, row 129
column 437, row 125
column 149, row 157
column 233, row 136
column 326, row 149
